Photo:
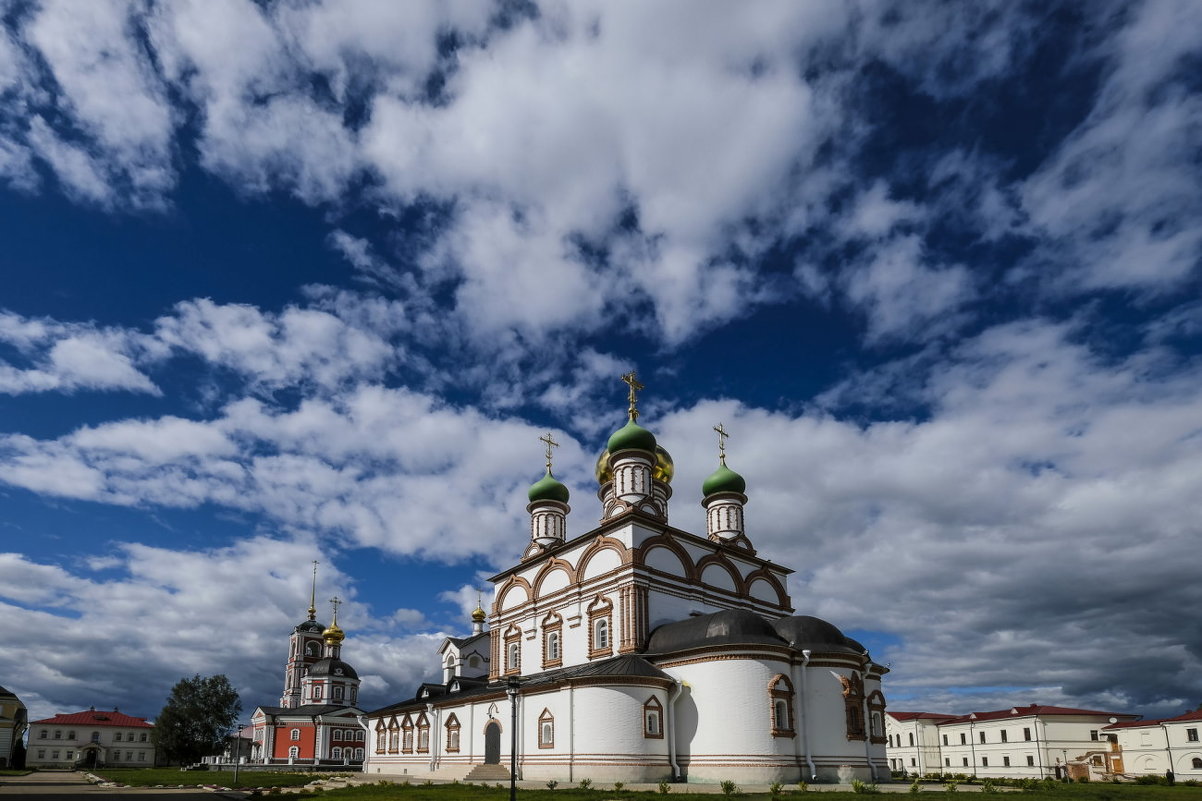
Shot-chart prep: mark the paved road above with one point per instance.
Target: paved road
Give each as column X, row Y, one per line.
column 54, row 785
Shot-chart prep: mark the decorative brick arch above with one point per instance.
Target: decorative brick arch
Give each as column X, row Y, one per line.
column 552, row 565
column 667, row 542
column 764, row 574
column 513, row 581
column 598, row 545
column 721, row 560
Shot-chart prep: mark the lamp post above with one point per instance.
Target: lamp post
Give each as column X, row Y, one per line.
column 238, row 752
column 511, row 689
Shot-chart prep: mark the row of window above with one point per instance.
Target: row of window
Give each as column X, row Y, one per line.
column 947, row 761
column 600, row 639
column 338, row 734
column 129, row 736
column 1003, row 734
column 335, row 753
column 114, row 756
column 336, row 694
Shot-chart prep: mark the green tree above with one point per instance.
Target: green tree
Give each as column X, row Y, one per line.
column 199, row 715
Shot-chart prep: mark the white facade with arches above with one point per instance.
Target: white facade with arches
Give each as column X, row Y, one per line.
column 1153, row 747
column 642, row 652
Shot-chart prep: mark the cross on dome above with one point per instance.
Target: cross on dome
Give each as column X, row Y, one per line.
column 550, row 443
column 632, row 381
column 722, row 435
column 313, row 594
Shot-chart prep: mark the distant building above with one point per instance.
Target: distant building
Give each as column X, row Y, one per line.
column 13, row 722
column 89, row 739
column 1152, row 747
column 1020, row 742
column 316, row 722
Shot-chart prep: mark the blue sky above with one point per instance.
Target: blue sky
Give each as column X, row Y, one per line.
column 297, row 281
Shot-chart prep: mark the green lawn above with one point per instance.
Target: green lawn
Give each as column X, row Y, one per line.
column 455, row 792
column 149, row 777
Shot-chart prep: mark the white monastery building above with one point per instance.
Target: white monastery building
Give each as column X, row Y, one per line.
column 1020, row 742
column 638, row 652
column 317, row 722
column 89, row 739
column 1156, row 746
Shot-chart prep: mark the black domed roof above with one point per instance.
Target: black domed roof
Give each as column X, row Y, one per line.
column 730, row 626
column 310, row 625
column 804, row 631
column 332, row 667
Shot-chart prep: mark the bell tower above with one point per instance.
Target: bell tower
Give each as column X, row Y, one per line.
column 304, row 649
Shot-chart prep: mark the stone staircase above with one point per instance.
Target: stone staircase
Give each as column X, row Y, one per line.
column 487, row 773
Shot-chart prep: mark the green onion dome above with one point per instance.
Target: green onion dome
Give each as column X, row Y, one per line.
column 723, row 480
column 663, row 471
column 631, row 437
column 548, row 488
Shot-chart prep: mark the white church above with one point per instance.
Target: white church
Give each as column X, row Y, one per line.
column 638, row 652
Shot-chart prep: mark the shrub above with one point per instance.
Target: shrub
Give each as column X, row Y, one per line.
column 775, row 789
column 728, row 787
column 802, row 787
column 988, row 786
column 951, row 786
column 552, row 784
column 1149, row 780
column 916, row 786
column 1029, row 785
column 584, row 784
column 664, row 788
column 618, row 786
column 863, row 788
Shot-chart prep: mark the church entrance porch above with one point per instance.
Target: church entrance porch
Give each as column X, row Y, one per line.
column 492, row 743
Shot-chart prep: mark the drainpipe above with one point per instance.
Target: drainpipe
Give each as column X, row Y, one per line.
column 972, row 741
column 676, row 691
column 433, row 718
column 1168, row 748
column 805, row 718
column 868, row 736
column 571, row 730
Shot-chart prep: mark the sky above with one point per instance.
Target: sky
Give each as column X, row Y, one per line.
column 295, row 280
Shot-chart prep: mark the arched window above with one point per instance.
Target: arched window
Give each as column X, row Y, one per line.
column 513, row 651
column 601, row 633
column 394, row 737
column 600, row 630
column 336, row 753
column 407, row 735
column 780, row 695
column 359, row 754
column 911, row 738
column 294, row 734
column 653, row 718
column 1197, row 763
column 853, row 702
column 452, row 734
column 337, row 734
column 423, row 734
column 116, row 736
column 381, row 737
column 553, row 647
column 316, row 692
column 311, row 649
column 876, row 712
column 338, row 692
column 294, row 752
column 546, row 730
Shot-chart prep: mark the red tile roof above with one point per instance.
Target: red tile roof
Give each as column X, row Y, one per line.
column 900, row 716
column 1132, row 724
column 1033, row 709
column 96, row 717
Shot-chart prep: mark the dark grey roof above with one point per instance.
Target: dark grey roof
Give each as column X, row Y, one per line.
column 330, row 667
column 741, row 627
column 728, row 627
column 618, row 666
column 310, row 710
column 310, row 625
column 460, row 642
column 7, row 693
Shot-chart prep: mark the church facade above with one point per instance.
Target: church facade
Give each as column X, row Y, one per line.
column 640, row 652
column 317, row 721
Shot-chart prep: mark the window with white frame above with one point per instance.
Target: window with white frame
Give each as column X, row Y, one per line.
column 294, row 734
column 546, row 730
column 294, row 752
column 780, row 694
column 653, row 718
column 423, row 734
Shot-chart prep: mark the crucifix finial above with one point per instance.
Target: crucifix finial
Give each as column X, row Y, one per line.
column 722, row 435
column 550, row 443
column 632, row 381
column 335, row 602
column 313, row 594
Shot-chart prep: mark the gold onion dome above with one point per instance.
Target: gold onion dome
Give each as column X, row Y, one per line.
column 548, row 488
column 478, row 615
column 663, row 471
column 333, row 634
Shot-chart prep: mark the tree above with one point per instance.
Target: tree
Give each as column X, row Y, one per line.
column 199, row 715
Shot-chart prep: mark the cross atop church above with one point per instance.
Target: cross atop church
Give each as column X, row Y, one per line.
column 550, row 443
column 722, row 435
column 313, row 594
column 632, row 381
column 336, row 602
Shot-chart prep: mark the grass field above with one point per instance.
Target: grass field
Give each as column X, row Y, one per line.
column 455, row 792
column 150, row 777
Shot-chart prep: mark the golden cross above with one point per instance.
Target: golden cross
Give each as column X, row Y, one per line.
column 336, row 602
column 722, row 435
column 635, row 386
column 550, row 444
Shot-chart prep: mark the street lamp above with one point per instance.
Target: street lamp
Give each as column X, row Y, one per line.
column 237, row 752
column 511, row 689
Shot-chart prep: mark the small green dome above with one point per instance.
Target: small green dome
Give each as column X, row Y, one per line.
column 631, row 437
column 548, row 488
column 723, row 480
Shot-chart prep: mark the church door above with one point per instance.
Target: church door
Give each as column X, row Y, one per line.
column 90, row 759
column 492, row 743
